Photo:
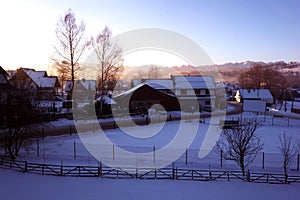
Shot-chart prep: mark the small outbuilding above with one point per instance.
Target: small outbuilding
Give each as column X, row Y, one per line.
column 254, row 94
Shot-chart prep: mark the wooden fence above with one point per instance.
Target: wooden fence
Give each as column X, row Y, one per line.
column 171, row 173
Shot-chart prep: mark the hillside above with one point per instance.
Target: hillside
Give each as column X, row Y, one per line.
column 228, row 71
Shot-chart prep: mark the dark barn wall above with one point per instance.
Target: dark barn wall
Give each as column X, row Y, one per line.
column 149, row 96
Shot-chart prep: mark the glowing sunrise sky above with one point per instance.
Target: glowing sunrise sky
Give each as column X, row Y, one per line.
column 228, row 30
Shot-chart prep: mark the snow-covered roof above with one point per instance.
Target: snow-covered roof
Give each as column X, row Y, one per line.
column 135, row 82
column 106, row 100
column 160, row 84
column 2, row 71
column 195, row 82
column 256, row 94
column 41, row 78
column 87, row 84
column 68, row 86
column 130, row 91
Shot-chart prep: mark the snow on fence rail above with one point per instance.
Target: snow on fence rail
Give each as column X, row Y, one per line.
column 171, row 173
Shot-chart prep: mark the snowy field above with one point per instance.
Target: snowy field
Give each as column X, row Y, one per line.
column 69, row 150
column 16, row 185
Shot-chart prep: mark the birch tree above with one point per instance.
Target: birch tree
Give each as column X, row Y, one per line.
column 72, row 45
column 109, row 57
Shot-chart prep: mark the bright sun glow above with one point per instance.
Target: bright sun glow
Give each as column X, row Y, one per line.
column 153, row 57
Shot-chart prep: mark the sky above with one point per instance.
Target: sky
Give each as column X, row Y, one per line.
column 228, row 31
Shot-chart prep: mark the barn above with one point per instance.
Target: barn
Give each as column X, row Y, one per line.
column 141, row 97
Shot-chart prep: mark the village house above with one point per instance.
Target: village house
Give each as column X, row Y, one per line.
column 195, row 91
column 192, row 91
column 254, row 94
column 84, row 90
column 38, row 83
column 43, row 89
column 162, row 85
column 5, row 88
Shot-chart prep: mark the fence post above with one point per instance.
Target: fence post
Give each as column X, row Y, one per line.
column 37, row 148
column 221, row 158
column 186, row 156
column 136, row 173
column 192, row 174
column 99, row 169
column 25, row 169
column 173, row 171
column 228, row 178
column 210, row 174
column 74, row 149
column 170, row 117
column 154, row 154
column 61, row 167
column 43, row 169
column 263, row 160
column 113, row 152
column 298, row 161
column 155, row 175
column 248, row 176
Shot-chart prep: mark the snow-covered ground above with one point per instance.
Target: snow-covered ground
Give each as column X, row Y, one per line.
column 56, row 149
column 59, row 149
column 16, row 185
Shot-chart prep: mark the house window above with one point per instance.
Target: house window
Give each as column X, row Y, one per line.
column 197, row 91
column 183, row 91
column 207, row 91
column 207, row 103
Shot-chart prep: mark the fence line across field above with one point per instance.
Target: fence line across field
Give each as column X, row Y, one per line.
column 171, row 173
column 69, row 151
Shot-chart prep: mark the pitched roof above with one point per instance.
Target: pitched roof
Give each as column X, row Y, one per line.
column 195, row 82
column 87, row 84
column 4, row 84
column 106, row 100
column 160, row 84
column 2, row 71
column 256, row 94
column 132, row 90
column 41, row 78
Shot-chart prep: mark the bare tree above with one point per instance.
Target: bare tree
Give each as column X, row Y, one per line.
column 241, row 143
column 109, row 56
column 63, row 71
column 261, row 76
column 152, row 72
column 21, row 120
column 71, row 44
column 288, row 151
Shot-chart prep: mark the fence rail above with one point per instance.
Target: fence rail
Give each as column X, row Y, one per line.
column 171, row 173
